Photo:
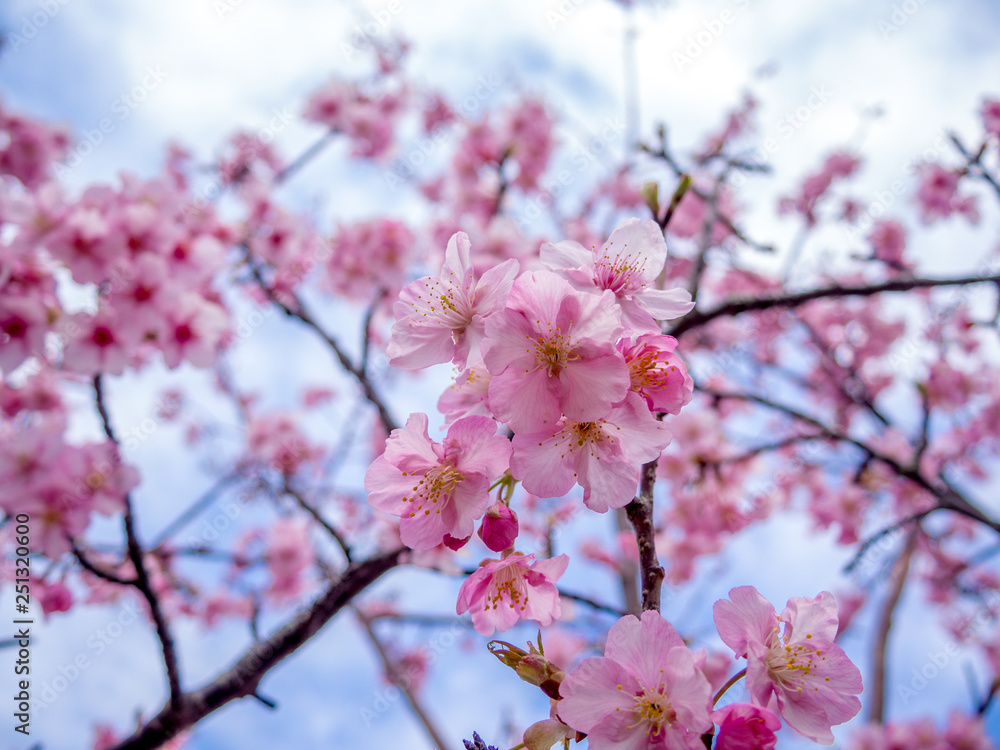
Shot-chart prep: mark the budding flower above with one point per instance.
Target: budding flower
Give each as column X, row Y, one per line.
column 454, row 544
column 499, row 528
column 531, row 666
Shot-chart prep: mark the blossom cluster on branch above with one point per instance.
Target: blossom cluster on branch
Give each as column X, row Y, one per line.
column 619, row 356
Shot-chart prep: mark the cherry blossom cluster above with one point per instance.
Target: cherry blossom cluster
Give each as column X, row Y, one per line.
column 565, row 342
column 571, row 359
column 650, row 690
column 146, row 260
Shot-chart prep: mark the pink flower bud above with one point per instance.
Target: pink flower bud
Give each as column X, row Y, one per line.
column 56, row 598
column 499, row 528
column 455, row 544
column 743, row 726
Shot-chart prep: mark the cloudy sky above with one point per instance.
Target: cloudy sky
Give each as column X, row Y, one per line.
column 885, row 77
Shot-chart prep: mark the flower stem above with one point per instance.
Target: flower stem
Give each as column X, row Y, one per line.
column 732, row 681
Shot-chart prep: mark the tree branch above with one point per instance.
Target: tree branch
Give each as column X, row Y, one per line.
column 947, row 495
column 696, row 319
column 142, row 580
column 640, row 513
column 242, row 679
column 897, row 579
column 402, row 681
column 300, row 313
column 314, row 512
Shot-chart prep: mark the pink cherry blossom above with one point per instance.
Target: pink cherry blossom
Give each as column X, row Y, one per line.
column 369, row 257
column 437, row 489
column 813, row 681
column 937, row 195
column 657, row 374
column 551, row 352
column 991, row 116
column 603, row 455
column 501, row 592
column 55, row 597
column 888, row 240
column 443, row 318
column 628, row 265
column 645, row 692
column 744, row 726
column 99, row 343
column 192, row 331
column 467, row 395
column 278, row 440
column 692, row 213
column 529, row 131
column 23, row 324
column 78, row 241
column 289, row 555
column 29, row 147
column 817, row 185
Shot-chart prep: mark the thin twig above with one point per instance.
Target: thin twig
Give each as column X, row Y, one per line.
column 194, row 510
column 300, row 313
column 92, row 567
column 142, row 581
column 897, row 580
column 305, row 157
column 402, row 681
column 866, row 545
column 592, row 603
column 309, row 508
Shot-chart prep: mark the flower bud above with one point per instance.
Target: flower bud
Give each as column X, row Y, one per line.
column 455, row 544
column 531, row 666
column 499, row 528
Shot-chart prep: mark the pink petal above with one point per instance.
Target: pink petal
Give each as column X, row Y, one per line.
column 526, row 402
column 566, row 254
column 537, row 462
column 477, row 447
column 746, row 616
column 642, row 645
column 591, row 691
column 818, row 617
column 494, row 287
column 410, row 448
column 591, row 386
column 666, row 304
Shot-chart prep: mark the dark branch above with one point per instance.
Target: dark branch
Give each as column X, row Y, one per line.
column 142, row 580
column 243, row 678
column 696, row 319
column 640, row 513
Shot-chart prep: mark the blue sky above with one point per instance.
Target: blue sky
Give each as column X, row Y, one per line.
column 219, row 70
